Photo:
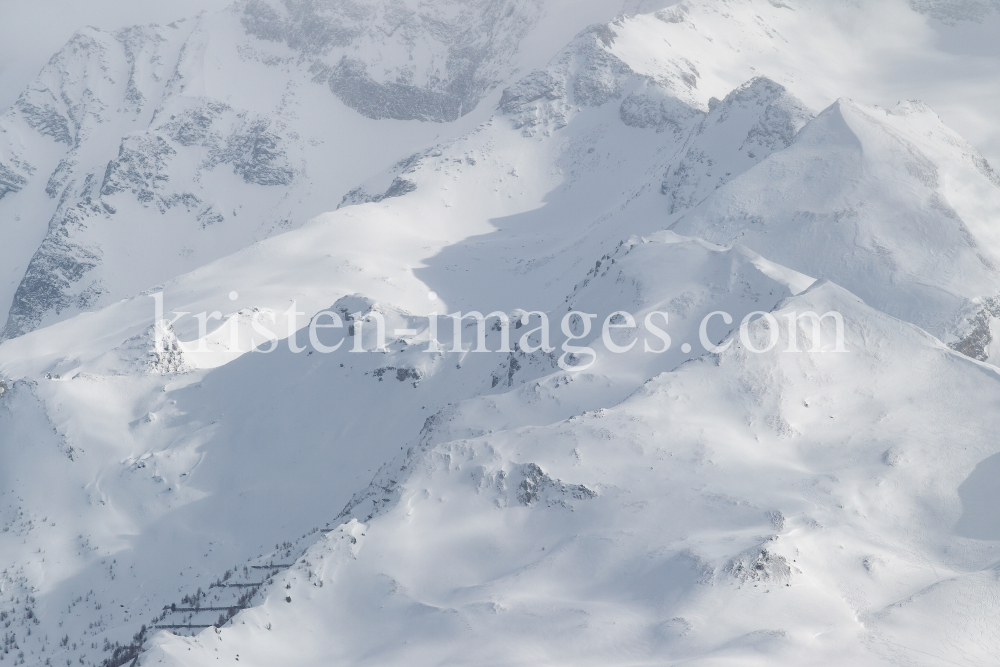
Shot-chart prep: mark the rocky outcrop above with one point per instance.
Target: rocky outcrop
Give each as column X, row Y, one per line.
column 654, row 107
column 398, row 188
column 251, row 145
column 350, row 82
column 976, row 341
column 401, row 183
column 43, row 116
column 140, row 168
column 255, row 152
column 760, row 566
column 10, row 180
column 588, row 74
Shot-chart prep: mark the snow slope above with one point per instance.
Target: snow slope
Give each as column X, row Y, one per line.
column 872, row 210
column 779, row 508
column 276, row 160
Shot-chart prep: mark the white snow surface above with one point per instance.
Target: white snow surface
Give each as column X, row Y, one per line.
column 200, row 493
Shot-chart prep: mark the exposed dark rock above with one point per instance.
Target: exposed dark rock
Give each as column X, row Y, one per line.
column 539, row 85
column 759, row 565
column 602, row 76
column 141, row 167
column 10, row 181
column 533, row 485
column 976, row 342
column 135, row 40
column 307, row 26
column 780, row 120
column 350, row 82
column 210, row 217
column 656, row 109
column 58, row 179
column 45, row 118
column 398, row 188
column 256, row 154
column 402, row 373
column 951, row 12
column 192, row 127
column 254, row 150
column 51, row 282
column 766, row 118
column 472, row 39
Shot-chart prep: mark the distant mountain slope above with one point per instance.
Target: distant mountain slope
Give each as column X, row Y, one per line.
column 891, row 204
column 155, row 159
column 423, row 61
column 253, row 169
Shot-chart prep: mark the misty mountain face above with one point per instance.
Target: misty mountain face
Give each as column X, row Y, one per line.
column 953, row 11
column 136, row 130
column 132, row 150
column 408, row 61
column 238, row 423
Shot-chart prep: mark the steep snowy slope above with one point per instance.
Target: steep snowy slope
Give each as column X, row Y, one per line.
column 891, row 204
column 167, row 162
column 155, row 157
column 278, row 151
column 753, row 121
column 778, row 508
column 280, row 159
column 211, row 455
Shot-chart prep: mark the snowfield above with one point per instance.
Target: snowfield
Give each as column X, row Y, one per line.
column 773, row 443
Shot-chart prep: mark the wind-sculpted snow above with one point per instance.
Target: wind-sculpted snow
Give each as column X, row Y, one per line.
column 418, row 384
column 685, row 278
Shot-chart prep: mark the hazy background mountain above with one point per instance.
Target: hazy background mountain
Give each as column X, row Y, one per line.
column 32, row 31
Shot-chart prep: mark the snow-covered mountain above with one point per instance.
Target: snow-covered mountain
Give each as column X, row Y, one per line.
column 228, row 485
column 873, row 192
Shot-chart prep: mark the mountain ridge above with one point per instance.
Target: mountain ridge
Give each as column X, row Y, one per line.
column 211, row 494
